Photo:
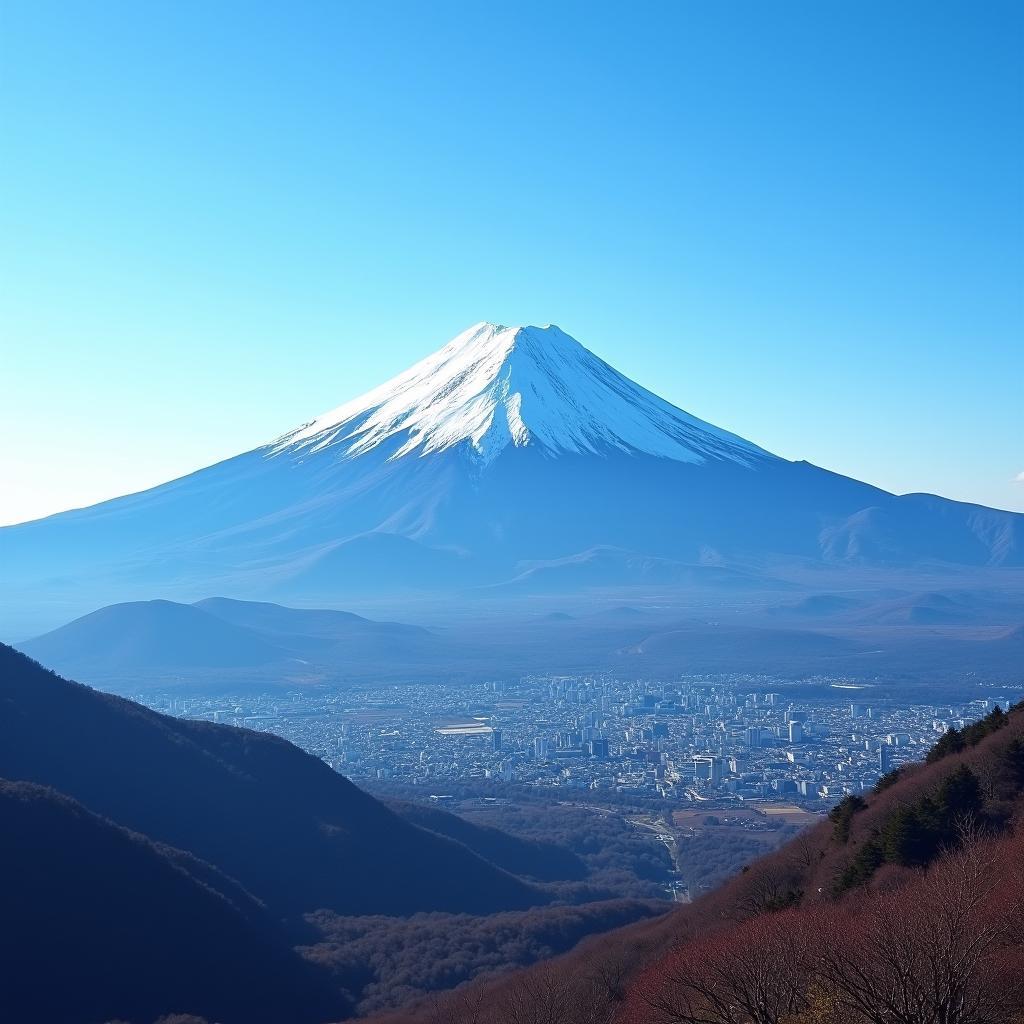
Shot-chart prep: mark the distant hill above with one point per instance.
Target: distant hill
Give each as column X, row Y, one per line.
column 294, row 833
column 716, row 648
column 327, row 624
column 347, row 635
column 817, row 606
column 100, row 922
column 231, row 646
column 218, row 640
column 148, row 635
column 929, row 609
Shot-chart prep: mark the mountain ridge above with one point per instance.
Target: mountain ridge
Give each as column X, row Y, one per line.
column 466, row 468
column 243, row 801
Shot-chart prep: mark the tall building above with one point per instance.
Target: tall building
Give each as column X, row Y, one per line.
column 884, row 758
column 796, row 732
column 709, row 768
column 495, row 739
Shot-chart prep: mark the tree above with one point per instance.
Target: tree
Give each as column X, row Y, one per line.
column 959, row 796
column 951, row 742
column 608, row 969
column 868, row 859
column 1009, row 781
column 887, row 780
column 907, row 837
column 548, row 994
column 769, row 887
column 926, row 954
column 753, row 974
column 842, row 814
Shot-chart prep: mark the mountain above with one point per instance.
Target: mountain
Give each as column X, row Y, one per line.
column 511, row 454
column 101, row 923
column 151, row 635
column 240, row 644
column 220, row 645
column 324, row 623
column 280, row 823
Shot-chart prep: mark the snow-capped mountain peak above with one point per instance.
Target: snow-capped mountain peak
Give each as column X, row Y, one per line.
column 493, row 386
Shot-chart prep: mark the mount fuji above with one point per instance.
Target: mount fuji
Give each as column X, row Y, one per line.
column 512, row 460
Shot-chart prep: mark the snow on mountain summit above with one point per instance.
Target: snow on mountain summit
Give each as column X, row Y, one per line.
column 494, row 386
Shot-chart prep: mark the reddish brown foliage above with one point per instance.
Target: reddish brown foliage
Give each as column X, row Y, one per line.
column 936, row 945
column 943, row 948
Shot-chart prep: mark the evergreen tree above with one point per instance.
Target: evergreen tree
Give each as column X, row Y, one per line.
column 868, row 860
column 887, row 780
column 959, row 797
column 908, row 838
column 951, row 742
column 1011, row 770
column 842, row 814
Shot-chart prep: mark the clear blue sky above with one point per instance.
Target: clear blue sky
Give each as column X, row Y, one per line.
column 801, row 221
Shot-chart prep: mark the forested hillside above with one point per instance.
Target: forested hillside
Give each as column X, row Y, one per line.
column 296, row 834
column 904, row 908
column 99, row 922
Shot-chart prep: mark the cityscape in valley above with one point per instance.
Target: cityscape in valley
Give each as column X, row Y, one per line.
column 512, row 514
column 699, row 743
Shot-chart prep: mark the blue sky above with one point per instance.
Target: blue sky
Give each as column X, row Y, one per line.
column 801, row 221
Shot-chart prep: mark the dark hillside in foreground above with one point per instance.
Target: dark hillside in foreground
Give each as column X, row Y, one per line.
column 99, row 922
column 915, row 890
column 296, row 834
column 173, row 866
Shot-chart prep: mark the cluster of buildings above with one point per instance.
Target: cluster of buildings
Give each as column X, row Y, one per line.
column 690, row 741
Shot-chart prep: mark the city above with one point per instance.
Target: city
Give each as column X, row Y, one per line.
column 711, row 743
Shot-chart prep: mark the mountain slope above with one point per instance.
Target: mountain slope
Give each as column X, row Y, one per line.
column 99, row 922
column 151, row 634
column 236, row 645
column 345, row 636
column 493, row 386
column 543, row 861
column 324, row 623
column 508, row 447
column 242, row 801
